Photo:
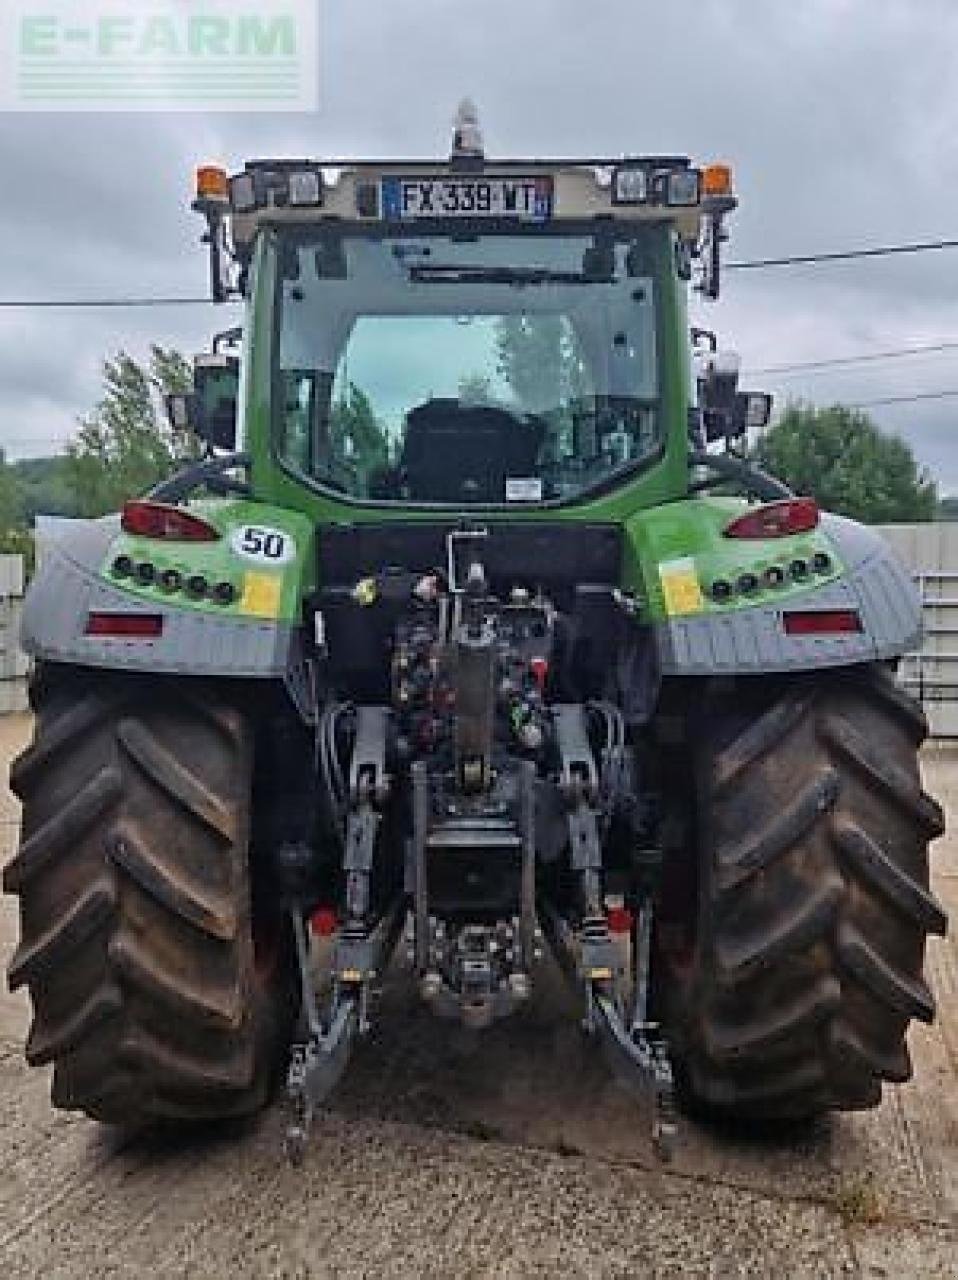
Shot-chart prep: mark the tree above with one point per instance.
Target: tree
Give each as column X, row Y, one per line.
column 540, row 359
column 15, row 538
column 839, row 456
column 356, row 434
column 125, row 446
column 475, row 388
column 11, row 498
column 45, row 487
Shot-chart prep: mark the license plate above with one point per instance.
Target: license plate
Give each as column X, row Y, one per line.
column 514, row 199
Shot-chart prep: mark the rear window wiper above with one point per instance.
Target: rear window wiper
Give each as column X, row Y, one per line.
column 453, row 273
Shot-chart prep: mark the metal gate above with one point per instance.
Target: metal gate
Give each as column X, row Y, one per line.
column 13, row 664
column 930, row 551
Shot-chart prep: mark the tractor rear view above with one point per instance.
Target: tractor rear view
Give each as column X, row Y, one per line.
column 456, row 644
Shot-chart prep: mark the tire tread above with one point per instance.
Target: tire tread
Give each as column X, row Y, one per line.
column 135, row 903
column 814, row 900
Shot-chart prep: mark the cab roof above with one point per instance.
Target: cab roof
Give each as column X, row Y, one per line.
column 628, row 189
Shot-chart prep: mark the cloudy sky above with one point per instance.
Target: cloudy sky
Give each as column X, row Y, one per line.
column 840, row 118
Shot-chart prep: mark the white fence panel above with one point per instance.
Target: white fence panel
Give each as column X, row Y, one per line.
column 13, row 663
column 931, row 553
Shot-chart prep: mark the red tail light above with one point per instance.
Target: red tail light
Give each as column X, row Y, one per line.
column 144, row 626
column 775, row 519
column 822, row 622
column 159, row 520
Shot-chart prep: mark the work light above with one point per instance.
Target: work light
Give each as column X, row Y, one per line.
column 243, row 193
column 305, row 187
column 630, row 186
column 683, row 187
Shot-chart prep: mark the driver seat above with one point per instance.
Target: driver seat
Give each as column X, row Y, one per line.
column 463, row 453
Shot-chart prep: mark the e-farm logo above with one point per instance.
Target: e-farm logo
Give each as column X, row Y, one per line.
column 159, row 55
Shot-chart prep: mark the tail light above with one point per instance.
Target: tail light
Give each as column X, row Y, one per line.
column 822, row 622
column 775, row 519
column 142, row 626
column 159, row 520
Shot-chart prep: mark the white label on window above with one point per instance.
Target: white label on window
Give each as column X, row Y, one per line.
column 262, row 545
column 523, row 489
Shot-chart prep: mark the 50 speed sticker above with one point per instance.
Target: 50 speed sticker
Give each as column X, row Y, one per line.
column 263, row 545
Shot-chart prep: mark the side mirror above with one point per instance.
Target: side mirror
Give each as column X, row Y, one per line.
column 719, row 380
column 211, row 410
column 718, row 391
column 753, row 409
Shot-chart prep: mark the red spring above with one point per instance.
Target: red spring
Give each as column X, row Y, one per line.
column 619, row 919
column 323, row 922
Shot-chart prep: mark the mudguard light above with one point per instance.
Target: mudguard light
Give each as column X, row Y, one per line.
column 159, row 520
column 822, row 622
column 775, row 520
column 127, row 626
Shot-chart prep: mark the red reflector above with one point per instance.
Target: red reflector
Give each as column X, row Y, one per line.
column 159, row 520
column 619, row 919
column 323, row 922
column 775, row 519
column 142, row 625
column 822, row 622
column 540, row 672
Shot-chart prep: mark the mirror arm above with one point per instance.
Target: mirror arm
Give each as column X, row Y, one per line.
column 214, row 236
column 727, row 466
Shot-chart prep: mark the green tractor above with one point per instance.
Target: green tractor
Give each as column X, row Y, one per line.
column 474, row 633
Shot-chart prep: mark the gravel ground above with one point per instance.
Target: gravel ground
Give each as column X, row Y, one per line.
column 512, row 1154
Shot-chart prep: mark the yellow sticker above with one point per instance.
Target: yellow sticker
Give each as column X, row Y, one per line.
column 680, row 586
column 261, row 594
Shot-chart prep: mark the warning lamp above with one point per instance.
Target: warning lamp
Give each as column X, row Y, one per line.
column 717, row 180
column 212, row 183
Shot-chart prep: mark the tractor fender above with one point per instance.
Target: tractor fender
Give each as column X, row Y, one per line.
column 874, row 583
column 72, row 583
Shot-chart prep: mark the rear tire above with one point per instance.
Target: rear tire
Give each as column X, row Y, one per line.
column 813, row 899
column 149, row 995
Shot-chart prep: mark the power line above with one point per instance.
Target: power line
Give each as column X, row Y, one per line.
column 843, row 255
column 911, row 399
column 897, row 353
